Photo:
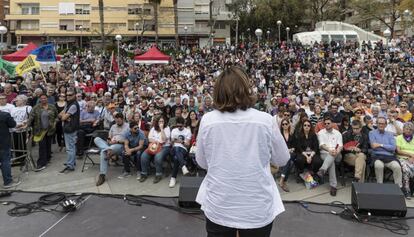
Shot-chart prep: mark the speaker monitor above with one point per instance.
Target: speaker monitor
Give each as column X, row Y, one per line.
column 188, row 191
column 378, row 199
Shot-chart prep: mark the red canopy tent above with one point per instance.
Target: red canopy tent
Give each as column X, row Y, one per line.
column 20, row 55
column 152, row 56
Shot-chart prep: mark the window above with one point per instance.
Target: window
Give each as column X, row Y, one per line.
column 83, row 9
column 132, row 26
column 134, row 9
column 28, row 25
column 220, row 25
column 147, row 11
column 202, row 9
column 84, row 24
column 66, row 25
column 30, row 9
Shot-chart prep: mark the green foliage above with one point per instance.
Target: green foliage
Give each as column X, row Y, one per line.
column 62, row 51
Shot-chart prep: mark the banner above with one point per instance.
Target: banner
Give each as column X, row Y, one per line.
column 45, row 53
column 7, row 67
column 27, row 65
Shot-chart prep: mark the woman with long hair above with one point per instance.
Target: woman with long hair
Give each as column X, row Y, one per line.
column 60, row 106
column 160, row 135
column 287, row 133
column 192, row 121
column 307, row 149
column 236, row 145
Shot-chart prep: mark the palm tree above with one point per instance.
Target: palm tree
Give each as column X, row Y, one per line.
column 155, row 4
column 177, row 42
column 101, row 21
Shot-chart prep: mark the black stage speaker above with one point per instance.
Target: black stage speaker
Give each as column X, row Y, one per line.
column 378, row 199
column 188, row 191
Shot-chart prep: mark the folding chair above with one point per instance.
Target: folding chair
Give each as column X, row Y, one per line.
column 92, row 149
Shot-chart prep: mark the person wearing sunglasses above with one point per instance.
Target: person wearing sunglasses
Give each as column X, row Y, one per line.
column 287, row 133
column 71, row 123
column 404, row 114
column 307, row 150
column 330, row 144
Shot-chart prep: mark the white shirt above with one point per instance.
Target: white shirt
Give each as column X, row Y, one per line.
column 391, row 127
column 331, row 139
column 8, row 108
column 156, row 136
column 20, row 114
column 184, row 135
column 237, row 148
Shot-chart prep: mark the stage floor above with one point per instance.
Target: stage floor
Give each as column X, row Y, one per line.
column 106, row 216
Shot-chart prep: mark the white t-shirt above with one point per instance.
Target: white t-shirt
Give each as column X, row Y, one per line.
column 184, row 135
column 237, row 148
column 20, row 114
column 7, row 108
column 156, row 136
column 392, row 129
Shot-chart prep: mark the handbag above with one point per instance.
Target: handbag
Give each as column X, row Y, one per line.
column 153, row 148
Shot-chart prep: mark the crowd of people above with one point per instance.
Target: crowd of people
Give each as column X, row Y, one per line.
column 334, row 102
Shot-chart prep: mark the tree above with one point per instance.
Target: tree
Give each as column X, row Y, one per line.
column 177, row 41
column 102, row 23
column 155, row 4
column 385, row 11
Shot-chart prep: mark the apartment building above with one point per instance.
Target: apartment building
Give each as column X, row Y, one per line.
column 204, row 22
column 70, row 22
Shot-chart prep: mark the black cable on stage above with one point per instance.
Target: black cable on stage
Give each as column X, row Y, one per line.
column 391, row 224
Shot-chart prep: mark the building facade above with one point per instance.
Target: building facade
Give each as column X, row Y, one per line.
column 70, row 23
column 204, row 22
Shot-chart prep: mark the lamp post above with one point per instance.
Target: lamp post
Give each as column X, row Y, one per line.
column 258, row 32
column 407, row 14
column 3, row 30
column 268, row 35
column 80, row 41
column 248, row 34
column 387, row 34
column 185, row 30
column 287, row 34
column 118, row 39
column 137, row 29
column 279, row 23
column 212, row 39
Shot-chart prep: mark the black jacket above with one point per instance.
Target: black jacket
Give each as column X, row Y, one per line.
column 6, row 122
column 362, row 139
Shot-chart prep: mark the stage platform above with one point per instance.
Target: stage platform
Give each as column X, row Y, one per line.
column 107, row 216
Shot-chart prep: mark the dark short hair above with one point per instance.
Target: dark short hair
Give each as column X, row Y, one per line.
column 356, row 122
column 180, row 120
column 327, row 117
column 232, row 90
column 132, row 124
column 119, row 115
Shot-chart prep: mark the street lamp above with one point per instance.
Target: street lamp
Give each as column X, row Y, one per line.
column 279, row 23
column 80, row 42
column 3, row 30
column 185, row 29
column 212, row 39
column 387, row 34
column 268, row 35
column 287, row 33
column 137, row 29
column 118, row 39
column 258, row 33
column 407, row 14
column 248, row 34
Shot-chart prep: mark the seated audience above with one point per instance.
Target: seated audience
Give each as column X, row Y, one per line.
column 405, row 153
column 383, row 152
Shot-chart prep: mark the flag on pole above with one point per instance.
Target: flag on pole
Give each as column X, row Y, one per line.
column 114, row 63
column 27, row 65
column 7, row 67
column 45, row 53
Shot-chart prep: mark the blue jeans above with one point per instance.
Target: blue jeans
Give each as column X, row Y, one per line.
column 158, row 159
column 70, row 144
column 179, row 159
column 103, row 146
column 5, row 157
column 288, row 167
column 135, row 158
